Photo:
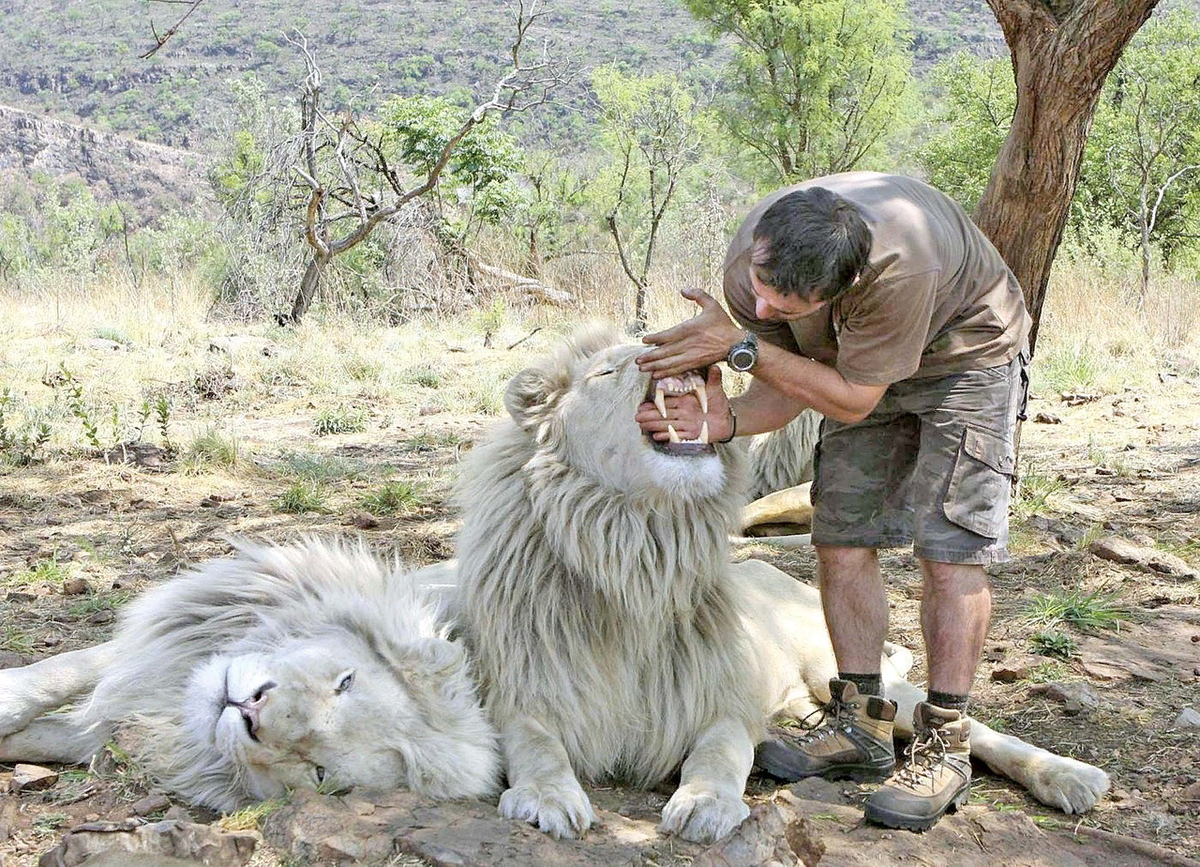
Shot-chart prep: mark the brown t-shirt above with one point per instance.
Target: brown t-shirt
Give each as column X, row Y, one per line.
column 935, row 297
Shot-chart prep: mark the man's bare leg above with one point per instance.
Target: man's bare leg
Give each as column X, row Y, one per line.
column 855, row 738
column 855, row 605
column 936, row 774
column 955, row 610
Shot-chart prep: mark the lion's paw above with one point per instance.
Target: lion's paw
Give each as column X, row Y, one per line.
column 1070, row 785
column 560, row 811
column 701, row 815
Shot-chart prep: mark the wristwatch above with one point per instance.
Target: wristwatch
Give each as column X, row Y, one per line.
column 743, row 355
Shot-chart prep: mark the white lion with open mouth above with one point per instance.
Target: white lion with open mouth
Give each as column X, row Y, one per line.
column 614, row 639
column 305, row 665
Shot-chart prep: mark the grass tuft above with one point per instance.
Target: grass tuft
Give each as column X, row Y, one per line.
column 339, row 421
column 210, row 450
column 301, row 497
column 393, row 498
column 1087, row 612
column 1052, row 642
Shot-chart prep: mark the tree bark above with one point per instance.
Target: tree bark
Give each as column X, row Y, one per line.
column 1061, row 54
column 309, row 284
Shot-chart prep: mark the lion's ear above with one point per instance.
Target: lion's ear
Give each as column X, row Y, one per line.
column 532, row 394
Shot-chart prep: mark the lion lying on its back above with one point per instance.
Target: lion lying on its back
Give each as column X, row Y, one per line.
column 302, row 665
column 613, row 637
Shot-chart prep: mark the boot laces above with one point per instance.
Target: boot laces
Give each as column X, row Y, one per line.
column 829, row 718
column 923, row 758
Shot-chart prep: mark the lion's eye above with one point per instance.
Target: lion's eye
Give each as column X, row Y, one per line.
column 601, row 371
column 345, row 681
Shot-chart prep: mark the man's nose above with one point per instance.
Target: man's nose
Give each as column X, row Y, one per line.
column 762, row 310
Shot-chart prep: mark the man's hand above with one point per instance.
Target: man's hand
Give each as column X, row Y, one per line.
column 685, row 415
column 692, row 345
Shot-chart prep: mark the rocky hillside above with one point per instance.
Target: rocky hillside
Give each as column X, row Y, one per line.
column 153, row 178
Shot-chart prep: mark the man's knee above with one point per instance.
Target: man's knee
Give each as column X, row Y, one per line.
column 955, row 578
column 835, row 563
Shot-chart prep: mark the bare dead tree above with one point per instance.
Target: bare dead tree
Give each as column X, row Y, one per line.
column 352, row 186
column 161, row 39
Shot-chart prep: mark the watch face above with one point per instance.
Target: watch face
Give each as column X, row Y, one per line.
column 742, row 358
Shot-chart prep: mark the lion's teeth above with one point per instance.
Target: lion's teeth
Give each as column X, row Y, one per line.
column 702, row 395
column 704, row 433
column 660, row 399
column 672, row 434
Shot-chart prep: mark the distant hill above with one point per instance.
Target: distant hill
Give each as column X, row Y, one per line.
column 153, row 178
column 80, row 59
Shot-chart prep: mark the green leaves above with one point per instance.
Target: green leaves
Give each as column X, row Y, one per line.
column 816, row 86
column 480, row 169
column 975, row 101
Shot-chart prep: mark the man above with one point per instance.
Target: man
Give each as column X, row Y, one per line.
column 876, row 301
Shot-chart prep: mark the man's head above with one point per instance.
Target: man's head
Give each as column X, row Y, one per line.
column 809, row 248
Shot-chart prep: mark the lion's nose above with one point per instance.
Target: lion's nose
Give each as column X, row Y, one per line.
column 251, row 708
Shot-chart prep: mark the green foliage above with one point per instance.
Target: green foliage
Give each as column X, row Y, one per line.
column 339, row 421
column 480, row 168
column 653, row 130
column 547, row 216
column 78, row 406
column 816, row 86
column 1141, row 171
column 20, row 447
column 393, row 498
column 975, row 101
column 1034, row 492
column 1052, row 642
column 1084, row 611
column 301, row 497
column 211, row 449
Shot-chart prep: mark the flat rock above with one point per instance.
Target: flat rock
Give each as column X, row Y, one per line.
column 1125, row 552
column 161, row 843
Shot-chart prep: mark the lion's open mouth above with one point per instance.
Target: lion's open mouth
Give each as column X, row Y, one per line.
column 691, row 382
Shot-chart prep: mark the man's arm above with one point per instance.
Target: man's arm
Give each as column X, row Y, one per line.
column 803, row 382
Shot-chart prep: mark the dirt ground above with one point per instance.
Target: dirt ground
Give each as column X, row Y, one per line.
column 1125, row 465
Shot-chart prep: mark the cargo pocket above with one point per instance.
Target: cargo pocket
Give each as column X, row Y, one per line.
column 977, row 499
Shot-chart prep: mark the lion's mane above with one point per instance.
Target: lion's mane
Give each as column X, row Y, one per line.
column 601, row 609
column 254, row 602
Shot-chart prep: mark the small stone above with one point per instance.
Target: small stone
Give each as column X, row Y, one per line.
column 31, row 778
column 1075, row 696
column 101, row 617
column 1004, row 674
column 364, row 521
column 150, row 804
column 1188, row 719
column 76, row 586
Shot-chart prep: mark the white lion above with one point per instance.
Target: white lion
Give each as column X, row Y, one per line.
column 313, row 664
column 784, row 458
column 613, row 637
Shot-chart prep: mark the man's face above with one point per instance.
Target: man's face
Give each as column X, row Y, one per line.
column 771, row 305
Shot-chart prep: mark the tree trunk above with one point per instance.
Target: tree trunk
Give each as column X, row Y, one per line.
column 1060, row 60
column 308, row 287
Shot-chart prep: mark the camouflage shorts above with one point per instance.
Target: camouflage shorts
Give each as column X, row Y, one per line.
column 931, row 465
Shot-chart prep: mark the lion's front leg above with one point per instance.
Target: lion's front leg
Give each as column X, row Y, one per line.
column 543, row 790
column 1058, row 781
column 27, row 693
column 708, row 803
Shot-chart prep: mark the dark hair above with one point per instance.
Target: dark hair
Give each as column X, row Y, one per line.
column 811, row 243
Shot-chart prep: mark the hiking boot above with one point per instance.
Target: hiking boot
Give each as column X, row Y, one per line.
column 852, row 739
column 935, row 776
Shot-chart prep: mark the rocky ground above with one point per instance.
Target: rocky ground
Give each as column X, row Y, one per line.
column 1109, row 517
